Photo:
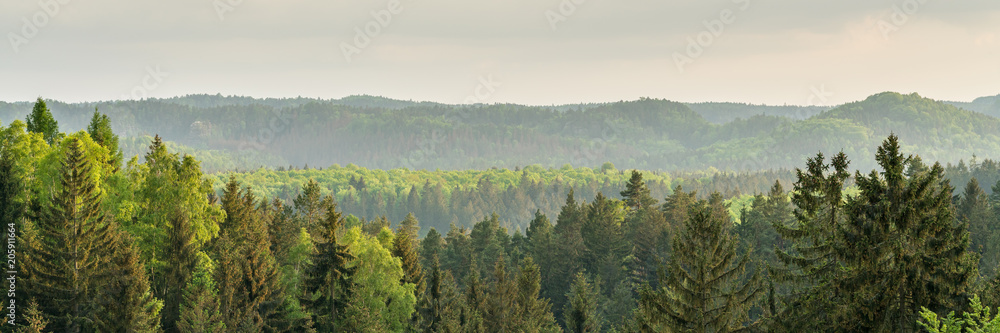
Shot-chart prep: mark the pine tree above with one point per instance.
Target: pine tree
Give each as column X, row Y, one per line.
column 41, row 121
column 582, row 314
column 100, row 131
column 702, row 291
column 410, row 225
column 431, row 248
column 327, row 281
column 76, row 240
column 499, row 307
column 127, row 302
column 903, row 247
column 199, row 311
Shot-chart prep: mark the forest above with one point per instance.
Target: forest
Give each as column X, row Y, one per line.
column 888, row 223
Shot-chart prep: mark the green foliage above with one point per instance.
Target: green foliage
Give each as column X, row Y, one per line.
column 199, row 311
column 72, row 267
column 378, row 301
column 581, row 314
column 100, row 130
column 702, row 291
column 41, row 121
column 977, row 321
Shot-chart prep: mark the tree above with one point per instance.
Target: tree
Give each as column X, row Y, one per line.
column 75, row 244
column 442, row 306
column 636, row 194
column 809, row 264
column 410, row 225
column 100, row 131
column 328, row 278
column 309, row 205
column 403, row 248
column 701, row 291
column 431, row 247
column 251, row 296
column 34, row 319
column 975, row 209
column 903, row 246
column 199, row 311
column 378, row 301
column 582, row 314
column 533, row 312
column 41, row 121
column 978, row 320
column 181, row 263
column 127, row 302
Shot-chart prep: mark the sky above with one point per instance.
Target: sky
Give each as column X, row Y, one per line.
column 537, row 52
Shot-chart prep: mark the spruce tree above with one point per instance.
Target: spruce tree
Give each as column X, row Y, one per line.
column 100, row 131
column 808, row 265
column 403, row 248
column 702, row 291
column 904, row 248
column 582, row 314
column 636, row 194
column 328, row 279
column 442, row 306
column 199, row 311
column 40, row 120
column 309, row 205
column 181, row 263
column 71, row 262
column 127, row 302
column 534, row 313
column 975, row 209
column 34, row 321
column 251, row 296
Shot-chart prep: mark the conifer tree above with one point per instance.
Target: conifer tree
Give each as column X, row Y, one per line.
column 809, row 265
column 327, row 281
column 127, row 302
column 904, row 248
column 975, row 209
column 251, row 296
column 403, row 248
column 582, row 314
column 534, row 313
column 701, row 291
column 636, row 194
column 199, row 312
column 34, row 321
column 40, row 120
column 430, row 248
column 309, row 205
column 181, row 263
column 76, row 241
column 100, row 131
column 442, row 306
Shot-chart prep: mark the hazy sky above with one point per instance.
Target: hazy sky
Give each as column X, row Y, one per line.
column 533, row 51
